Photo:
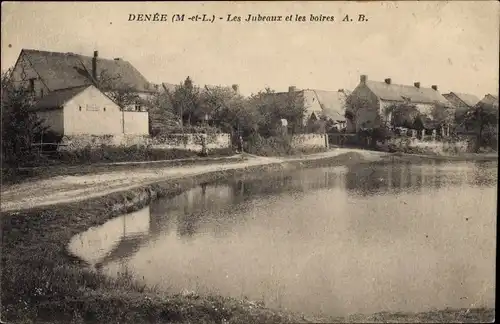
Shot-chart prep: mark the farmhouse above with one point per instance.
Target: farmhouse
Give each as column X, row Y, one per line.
column 104, row 89
column 369, row 100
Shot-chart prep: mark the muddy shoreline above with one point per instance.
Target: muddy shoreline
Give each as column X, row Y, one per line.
column 41, row 281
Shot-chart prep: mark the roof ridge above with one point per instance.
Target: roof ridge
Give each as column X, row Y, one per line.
column 399, row 84
column 76, row 54
column 72, row 88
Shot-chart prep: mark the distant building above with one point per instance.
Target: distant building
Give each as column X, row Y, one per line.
column 489, row 100
column 59, row 81
column 461, row 103
column 319, row 104
column 371, row 98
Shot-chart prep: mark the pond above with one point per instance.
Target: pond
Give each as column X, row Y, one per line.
column 330, row 241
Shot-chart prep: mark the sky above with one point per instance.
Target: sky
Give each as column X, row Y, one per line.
column 454, row 44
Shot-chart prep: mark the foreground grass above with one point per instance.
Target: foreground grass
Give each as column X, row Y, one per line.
column 41, row 282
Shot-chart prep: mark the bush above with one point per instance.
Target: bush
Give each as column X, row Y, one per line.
column 131, row 154
column 270, row 146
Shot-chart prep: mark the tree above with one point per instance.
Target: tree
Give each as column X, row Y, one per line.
column 276, row 106
column 483, row 120
column 20, row 125
column 230, row 111
column 123, row 96
column 186, row 102
column 403, row 115
column 161, row 113
column 443, row 115
column 353, row 105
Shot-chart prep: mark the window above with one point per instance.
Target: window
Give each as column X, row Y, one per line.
column 137, row 107
column 104, row 108
column 80, row 108
column 32, row 85
column 41, row 92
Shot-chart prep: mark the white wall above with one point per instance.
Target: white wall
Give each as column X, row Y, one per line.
column 305, row 141
column 136, row 122
column 92, row 113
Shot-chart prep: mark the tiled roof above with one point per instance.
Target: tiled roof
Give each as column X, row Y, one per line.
column 332, row 103
column 468, row 99
column 68, row 70
column 399, row 92
column 490, row 99
column 464, row 99
column 57, row 99
column 168, row 86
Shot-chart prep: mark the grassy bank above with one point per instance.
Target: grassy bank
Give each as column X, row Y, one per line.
column 42, row 283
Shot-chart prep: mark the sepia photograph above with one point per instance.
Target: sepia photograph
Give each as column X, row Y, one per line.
column 249, row 161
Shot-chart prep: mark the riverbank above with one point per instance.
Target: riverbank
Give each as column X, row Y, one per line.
column 98, row 180
column 41, row 282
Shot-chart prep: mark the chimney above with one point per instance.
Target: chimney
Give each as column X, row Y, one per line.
column 236, row 88
column 117, row 58
column 363, row 78
column 94, row 65
column 435, row 87
column 292, row 89
column 417, row 84
column 388, row 80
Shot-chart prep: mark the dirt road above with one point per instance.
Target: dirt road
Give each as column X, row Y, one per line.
column 63, row 189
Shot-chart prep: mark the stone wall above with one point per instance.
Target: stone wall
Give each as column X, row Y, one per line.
column 191, row 142
column 442, row 147
column 308, row 141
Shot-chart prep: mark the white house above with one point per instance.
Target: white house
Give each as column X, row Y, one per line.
column 85, row 110
column 63, row 82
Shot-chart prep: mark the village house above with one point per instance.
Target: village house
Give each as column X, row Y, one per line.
column 461, row 103
column 370, row 99
column 63, row 84
column 85, row 110
column 489, row 100
column 319, row 104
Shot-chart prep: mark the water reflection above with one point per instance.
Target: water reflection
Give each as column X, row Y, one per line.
column 363, row 238
column 117, row 239
column 376, row 180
